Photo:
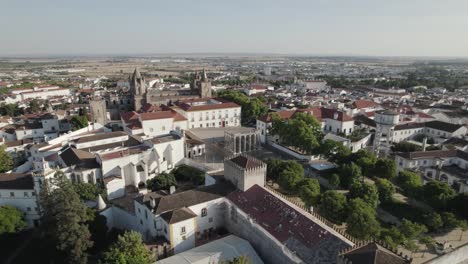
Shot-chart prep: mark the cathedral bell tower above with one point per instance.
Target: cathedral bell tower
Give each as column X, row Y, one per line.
column 137, row 89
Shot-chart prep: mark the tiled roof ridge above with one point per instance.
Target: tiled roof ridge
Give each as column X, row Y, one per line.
column 315, row 215
column 380, row 243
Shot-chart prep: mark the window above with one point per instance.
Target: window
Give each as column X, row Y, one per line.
column 155, row 225
column 28, row 209
column 26, row 194
column 12, row 194
column 182, row 230
column 210, row 220
column 163, row 128
column 151, row 129
column 164, row 159
column 139, row 211
column 141, row 222
column 204, row 212
column 146, row 214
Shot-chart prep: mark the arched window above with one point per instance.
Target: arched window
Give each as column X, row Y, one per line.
column 204, row 212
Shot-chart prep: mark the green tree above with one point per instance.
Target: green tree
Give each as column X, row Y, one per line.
column 274, row 168
column 34, row 106
column 64, row 219
column 458, row 205
column 433, row 221
column 405, row 147
column 349, row 173
column 6, row 162
column 409, row 182
column 11, row 110
column 334, row 180
column 291, row 175
column 412, row 230
column 302, row 132
column 365, row 160
column 98, row 229
column 334, row 151
column 332, row 206
column 386, row 190
column 88, row 191
column 385, row 168
column 128, row 249
column 187, row 173
column 366, row 191
column 163, row 181
column 309, row 191
column 438, row 194
column 362, row 221
column 11, row 220
column 79, row 122
column 451, row 221
column 392, row 236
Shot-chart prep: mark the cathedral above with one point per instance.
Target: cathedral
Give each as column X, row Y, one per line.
column 200, row 87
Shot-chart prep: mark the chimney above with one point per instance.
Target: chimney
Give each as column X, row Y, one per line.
column 172, row 189
column 152, row 202
column 424, row 144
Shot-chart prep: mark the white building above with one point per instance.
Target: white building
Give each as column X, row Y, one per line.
column 17, row 190
column 449, row 166
column 211, row 112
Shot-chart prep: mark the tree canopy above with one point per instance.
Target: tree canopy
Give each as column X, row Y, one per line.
column 79, row 122
column 409, row 181
column 11, row 219
column 163, row 181
column 362, row 222
column 332, row 206
column 386, row 190
column 64, row 219
column 349, row 173
column 366, row 191
column 437, row 194
column 6, row 162
column 128, row 249
column 291, row 174
column 302, row 132
column 252, row 108
column 309, row 191
column 385, row 168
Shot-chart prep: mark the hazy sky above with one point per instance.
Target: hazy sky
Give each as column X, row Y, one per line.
column 318, row 27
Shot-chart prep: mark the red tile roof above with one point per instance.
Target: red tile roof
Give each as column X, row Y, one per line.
column 301, row 234
column 318, row 112
column 282, row 114
column 424, row 115
column 156, row 115
column 247, row 162
column 127, row 117
column 360, row 104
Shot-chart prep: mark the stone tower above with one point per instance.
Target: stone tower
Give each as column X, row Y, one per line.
column 137, row 89
column 245, row 171
column 201, row 84
column 205, row 86
column 98, row 111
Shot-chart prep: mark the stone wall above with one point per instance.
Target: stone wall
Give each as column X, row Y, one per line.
column 457, row 256
column 266, row 246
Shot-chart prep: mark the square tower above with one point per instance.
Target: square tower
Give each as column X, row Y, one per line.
column 245, row 171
